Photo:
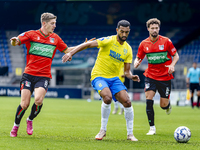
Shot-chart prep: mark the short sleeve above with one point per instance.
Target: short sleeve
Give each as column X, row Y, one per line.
column 141, row 54
column 24, row 37
column 104, row 41
column 188, row 74
column 171, row 49
column 61, row 46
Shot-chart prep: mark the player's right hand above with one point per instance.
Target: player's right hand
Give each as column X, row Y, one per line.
column 67, row 57
column 14, row 41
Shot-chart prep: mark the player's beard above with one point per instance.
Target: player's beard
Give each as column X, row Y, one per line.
column 154, row 35
column 120, row 38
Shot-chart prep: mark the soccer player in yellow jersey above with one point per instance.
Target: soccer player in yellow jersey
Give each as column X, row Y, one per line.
column 113, row 53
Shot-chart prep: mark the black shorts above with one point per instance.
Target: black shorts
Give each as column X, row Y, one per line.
column 163, row 87
column 31, row 82
column 194, row 86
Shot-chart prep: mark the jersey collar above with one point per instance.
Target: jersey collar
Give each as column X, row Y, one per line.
column 155, row 40
column 118, row 41
column 43, row 33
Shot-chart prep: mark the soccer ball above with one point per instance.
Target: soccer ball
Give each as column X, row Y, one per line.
column 182, row 134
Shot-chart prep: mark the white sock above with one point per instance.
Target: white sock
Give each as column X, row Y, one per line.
column 121, row 106
column 116, row 104
column 16, row 124
column 29, row 119
column 152, row 127
column 105, row 112
column 129, row 115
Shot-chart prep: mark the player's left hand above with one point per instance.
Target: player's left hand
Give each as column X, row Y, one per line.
column 136, row 78
column 170, row 68
column 67, row 57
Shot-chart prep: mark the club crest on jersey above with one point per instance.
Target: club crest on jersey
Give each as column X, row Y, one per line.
column 38, row 38
column 161, row 47
column 125, row 51
column 51, row 40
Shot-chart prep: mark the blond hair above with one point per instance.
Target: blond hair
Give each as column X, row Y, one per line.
column 153, row 21
column 46, row 17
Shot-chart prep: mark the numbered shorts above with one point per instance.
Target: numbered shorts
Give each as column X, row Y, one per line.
column 31, row 82
column 194, row 86
column 114, row 84
column 163, row 87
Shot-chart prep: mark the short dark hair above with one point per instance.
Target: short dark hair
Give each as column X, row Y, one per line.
column 153, row 21
column 123, row 23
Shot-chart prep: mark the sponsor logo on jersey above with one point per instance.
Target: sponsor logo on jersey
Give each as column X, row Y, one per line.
column 157, row 58
column 147, row 48
column 42, row 49
column 38, row 38
column 116, row 55
column 161, row 47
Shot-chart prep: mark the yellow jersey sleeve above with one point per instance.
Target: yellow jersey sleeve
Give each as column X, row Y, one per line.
column 104, row 41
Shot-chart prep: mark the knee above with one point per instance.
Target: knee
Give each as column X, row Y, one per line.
column 38, row 101
column 107, row 99
column 166, row 106
column 24, row 105
column 127, row 103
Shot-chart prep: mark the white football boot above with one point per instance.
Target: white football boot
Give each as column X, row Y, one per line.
column 152, row 131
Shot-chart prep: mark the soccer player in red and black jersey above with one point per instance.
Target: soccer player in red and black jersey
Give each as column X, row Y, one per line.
column 41, row 47
column 159, row 51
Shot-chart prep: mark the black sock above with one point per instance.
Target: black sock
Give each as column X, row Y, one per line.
column 19, row 114
column 150, row 111
column 35, row 111
column 198, row 101
column 166, row 106
column 192, row 102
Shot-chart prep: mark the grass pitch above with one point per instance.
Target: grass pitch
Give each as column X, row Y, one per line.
column 72, row 125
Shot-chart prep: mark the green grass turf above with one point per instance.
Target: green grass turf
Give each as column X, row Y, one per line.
column 72, row 124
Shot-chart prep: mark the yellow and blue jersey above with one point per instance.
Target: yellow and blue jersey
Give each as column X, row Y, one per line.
column 122, row 73
column 111, row 57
